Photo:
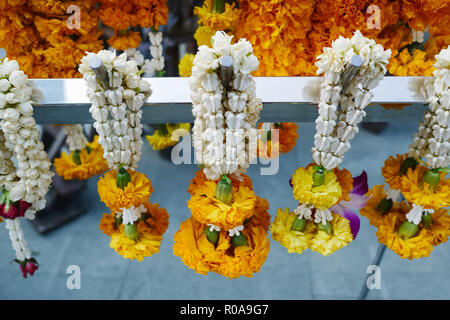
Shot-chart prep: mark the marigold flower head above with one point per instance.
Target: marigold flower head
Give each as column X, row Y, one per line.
column 150, row 228
column 416, row 65
column 200, row 179
column 185, row 65
column 175, row 131
column 415, row 191
column 194, row 249
column 293, row 241
column 340, row 237
column 391, row 170
column 223, row 21
column 135, row 193
column 345, row 179
column 203, row 35
column 376, row 194
column 131, row 39
column 207, row 209
column 321, row 197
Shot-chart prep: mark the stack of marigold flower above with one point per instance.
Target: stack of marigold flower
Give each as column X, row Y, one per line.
column 135, row 225
column 122, row 16
column 412, row 228
column 46, row 41
column 227, row 232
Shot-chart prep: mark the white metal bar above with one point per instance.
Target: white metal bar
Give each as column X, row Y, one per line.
column 284, row 100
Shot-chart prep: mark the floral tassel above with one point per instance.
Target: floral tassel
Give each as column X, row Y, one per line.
column 227, row 232
column 324, row 221
column 134, row 225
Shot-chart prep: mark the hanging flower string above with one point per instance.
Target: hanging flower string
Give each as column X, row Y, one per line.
column 322, row 221
column 23, row 189
column 227, row 232
column 85, row 158
column 134, row 225
column 411, row 214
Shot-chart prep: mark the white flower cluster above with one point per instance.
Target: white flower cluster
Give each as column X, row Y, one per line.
column 335, row 128
column 322, row 216
column 156, row 64
column 75, row 137
column 135, row 55
column 415, row 214
column 22, row 138
column 7, row 169
column 304, row 211
column 117, row 110
column 236, row 231
column 18, row 239
column 393, row 194
column 225, row 138
column 130, row 215
column 432, row 139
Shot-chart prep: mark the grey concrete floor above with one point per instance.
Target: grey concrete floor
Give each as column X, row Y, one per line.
column 106, row 275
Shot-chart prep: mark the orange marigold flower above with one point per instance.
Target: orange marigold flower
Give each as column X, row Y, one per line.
column 200, row 179
column 287, row 138
column 135, row 193
column 406, row 65
column 194, row 249
column 107, row 224
column 130, row 39
column 376, row 194
column 345, row 179
column 207, row 209
column 416, row 191
column 391, row 170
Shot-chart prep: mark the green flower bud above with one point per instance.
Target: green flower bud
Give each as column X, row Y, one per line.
column 299, row 224
column 212, row 236
column 268, row 135
column 218, row 6
column 162, row 130
column 88, row 149
column 240, row 240
column 325, row 227
column 408, row 163
column 318, row 176
column 76, row 157
column 123, row 178
column 384, row 206
column 433, row 178
column 131, row 232
column 224, row 190
column 427, row 221
column 407, row 230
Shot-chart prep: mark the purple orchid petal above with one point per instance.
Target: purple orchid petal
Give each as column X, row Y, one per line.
column 290, row 182
column 350, row 216
column 360, row 185
column 356, row 202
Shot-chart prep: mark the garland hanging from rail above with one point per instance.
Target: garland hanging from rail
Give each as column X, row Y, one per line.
column 117, row 93
column 23, row 188
column 323, row 220
column 410, row 212
column 227, row 232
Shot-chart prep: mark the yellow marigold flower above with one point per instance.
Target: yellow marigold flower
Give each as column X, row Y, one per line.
column 200, row 179
column 92, row 163
column 420, row 245
column 196, row 252
column 341, row 236
column 293, row 241
column 391, row 170
column 185, row 65
column 416, row 65
column 415, row 191
column 203, row 35
column 207, row 209
column 175, row 131
column 217, row 21
column 150, row 233
column 321, row 197
column 135, row 193
column 131, row 39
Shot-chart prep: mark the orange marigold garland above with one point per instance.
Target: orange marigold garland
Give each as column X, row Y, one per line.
column 412, row 228
column 134, row 225
column 227, row 232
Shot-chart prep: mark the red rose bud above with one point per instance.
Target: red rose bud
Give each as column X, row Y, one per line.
column 28, row 267
column 14, row 210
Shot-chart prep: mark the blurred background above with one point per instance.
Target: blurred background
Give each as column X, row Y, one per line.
column 107, row 275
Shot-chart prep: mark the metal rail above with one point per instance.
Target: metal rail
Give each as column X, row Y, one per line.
column 284, row 100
